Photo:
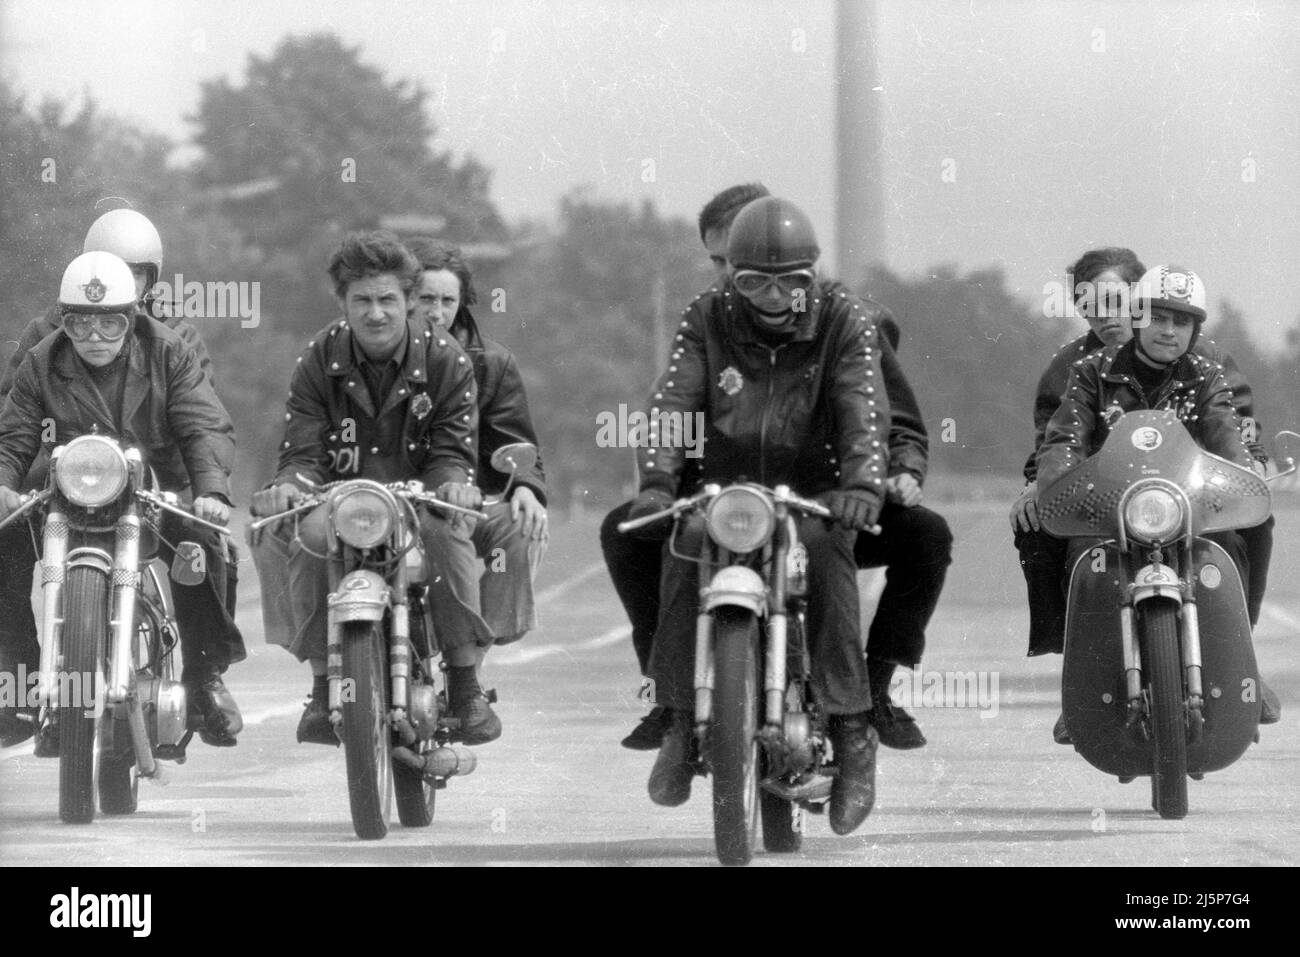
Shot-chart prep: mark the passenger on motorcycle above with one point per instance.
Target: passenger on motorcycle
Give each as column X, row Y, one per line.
column 381, row 396
column 1157, row 368
column 512, row 541
column 1101, row 282
column 915, row 544
column 788, row 382
column 112, row 369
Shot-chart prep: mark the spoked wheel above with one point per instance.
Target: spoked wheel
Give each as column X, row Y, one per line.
column 366, row 738
column 415, row 794
column 733, row 741
column 1163, row 671
column 85, row 625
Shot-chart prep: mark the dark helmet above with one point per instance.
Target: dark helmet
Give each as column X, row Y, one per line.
column 772, row 234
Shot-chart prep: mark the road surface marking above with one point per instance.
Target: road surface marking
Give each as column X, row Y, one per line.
column 525, row 655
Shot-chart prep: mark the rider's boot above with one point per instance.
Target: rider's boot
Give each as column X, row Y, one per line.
column 315, row 726
column 896, row 728
column 479, row 724
column 649, row 734
column 1059, row 733
column 854, row 792
column 670, row 779
column 212, row 706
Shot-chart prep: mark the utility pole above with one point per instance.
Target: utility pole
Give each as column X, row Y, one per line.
column 859, row 142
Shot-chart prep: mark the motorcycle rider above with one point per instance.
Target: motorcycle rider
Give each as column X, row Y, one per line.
column 1156, row 369
column 768, row 339
column 1101, row 281
column 112, row 369
column 512, row 541
column 915, row 544
column 382, row 396
column 131, row 237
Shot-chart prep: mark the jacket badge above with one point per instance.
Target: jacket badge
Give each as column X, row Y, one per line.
column 731, row 381
column 1111, row 416
column 421, row 405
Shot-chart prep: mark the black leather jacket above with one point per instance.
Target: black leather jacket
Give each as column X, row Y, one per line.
column 1052, row 385
column 503, row 415
column 811, row 412
column 1198, row 393
column 426, row 427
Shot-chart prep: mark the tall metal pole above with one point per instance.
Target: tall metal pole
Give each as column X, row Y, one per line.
column 860, row 225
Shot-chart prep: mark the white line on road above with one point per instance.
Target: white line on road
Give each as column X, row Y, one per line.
column 555, row 591
column 1277, row 614
column 525, row 655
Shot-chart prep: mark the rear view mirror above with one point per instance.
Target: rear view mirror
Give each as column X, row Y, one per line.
column 1286, row 452
column 515, row 457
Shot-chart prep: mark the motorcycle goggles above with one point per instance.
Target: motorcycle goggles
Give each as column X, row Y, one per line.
column 753, row 282
column 110, row 326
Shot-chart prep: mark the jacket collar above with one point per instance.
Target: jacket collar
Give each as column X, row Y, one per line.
column 341, row 363
column 740, row 316
column 1120, row 366
column 68, row 367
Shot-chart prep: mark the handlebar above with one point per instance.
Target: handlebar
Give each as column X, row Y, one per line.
column 412, row 490
column 167, row 501
column 780, row 494
column 30, row 501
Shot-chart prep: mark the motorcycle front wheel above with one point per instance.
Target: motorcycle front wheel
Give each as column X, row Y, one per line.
column 733, row 741
column 1161, row 664
column 367, row 742
column 85, row 629
column 415, row 794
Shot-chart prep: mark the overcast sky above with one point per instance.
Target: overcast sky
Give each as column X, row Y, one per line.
column 1171, row 127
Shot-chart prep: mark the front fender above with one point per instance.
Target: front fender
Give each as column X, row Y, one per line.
column 363, row 595
column 735, row 585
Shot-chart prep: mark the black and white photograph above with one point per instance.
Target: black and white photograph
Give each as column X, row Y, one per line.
column 768, row 433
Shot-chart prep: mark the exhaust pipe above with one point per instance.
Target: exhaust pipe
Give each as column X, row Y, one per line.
column 441, row 762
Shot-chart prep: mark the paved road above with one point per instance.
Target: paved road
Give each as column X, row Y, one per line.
column 991, row 787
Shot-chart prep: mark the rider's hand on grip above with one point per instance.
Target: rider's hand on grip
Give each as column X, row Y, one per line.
column 852, row 508
column 271, row 501
column 10, row 501
column 462, row 496
column 212, row 509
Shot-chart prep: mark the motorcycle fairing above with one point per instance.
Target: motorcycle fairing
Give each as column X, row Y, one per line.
column 1150, row 444
column 1094, row 667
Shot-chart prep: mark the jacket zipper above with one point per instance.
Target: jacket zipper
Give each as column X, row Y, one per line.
column 762, row 423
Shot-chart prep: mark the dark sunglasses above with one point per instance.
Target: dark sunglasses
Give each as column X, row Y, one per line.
column 752, row 282
column 110, row 326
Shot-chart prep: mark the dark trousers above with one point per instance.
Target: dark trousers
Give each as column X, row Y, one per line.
column 204, row 612
column 915, row 547
column 1046, row 562
column 839, row 671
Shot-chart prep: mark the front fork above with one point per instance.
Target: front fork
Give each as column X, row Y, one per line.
column 1189, row 645
column 393, row 597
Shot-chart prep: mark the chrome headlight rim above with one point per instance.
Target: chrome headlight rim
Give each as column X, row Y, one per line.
column 730, row 501
column 1170, row 497
column 72, row 466
column 379, row 500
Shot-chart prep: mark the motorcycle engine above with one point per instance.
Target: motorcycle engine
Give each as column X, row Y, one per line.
column 164, row 709
column 422, row 709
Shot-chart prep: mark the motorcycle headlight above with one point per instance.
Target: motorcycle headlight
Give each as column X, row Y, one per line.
column 363, row 517
column 740, row 519
column 1153, row 514
column 91, row 471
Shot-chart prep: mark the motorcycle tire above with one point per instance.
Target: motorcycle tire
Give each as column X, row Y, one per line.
column 367, row 741
column 733, row 742
column 415, row 795
column 85, row 631
column 1162, row 669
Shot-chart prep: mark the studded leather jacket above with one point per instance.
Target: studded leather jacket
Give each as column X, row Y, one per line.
column 1053, row 381
column 811, row 412
column 425, row 428
column 1104, row 385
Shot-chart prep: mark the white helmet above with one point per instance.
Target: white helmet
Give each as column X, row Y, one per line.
column 1171, row 287
column 97, row 282
column 129, row 236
